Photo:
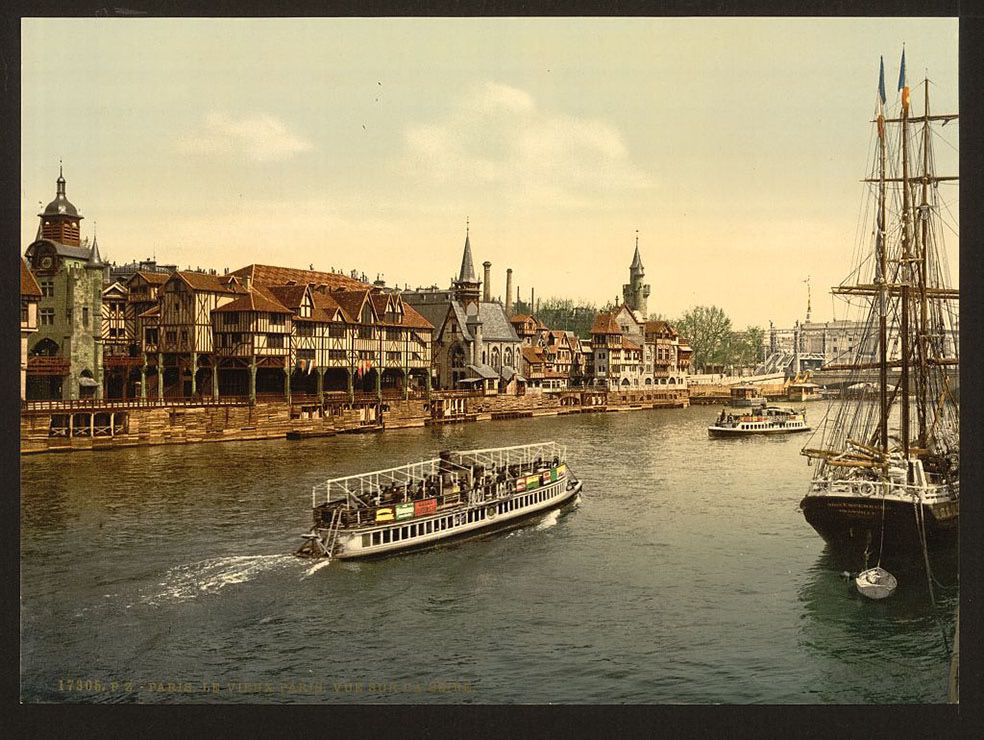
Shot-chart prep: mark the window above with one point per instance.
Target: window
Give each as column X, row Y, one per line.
column 184, row 335
column 392, row 356
column 365, row 332
column 23, row 313
column 276, row 319
column 230, row 317
column 275, row 341
column 403, row 533
column 386, row 536
column 304, row 329
column 336, row 354
column 151, row 336
column 394, row 334
column 377, row 537
column 336, row 331
column 46, row 317
column 171, row 336
column 47, row 288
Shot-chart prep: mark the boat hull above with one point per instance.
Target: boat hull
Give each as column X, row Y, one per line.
column 851, row 525
column 497, row 526
column 732, row 432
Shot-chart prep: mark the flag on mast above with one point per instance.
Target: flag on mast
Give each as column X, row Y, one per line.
column 902, row 84
column 881, row 99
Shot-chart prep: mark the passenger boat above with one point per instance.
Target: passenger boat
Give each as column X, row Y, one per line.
column 455, row 496
column 887, row 479
column 766, row 420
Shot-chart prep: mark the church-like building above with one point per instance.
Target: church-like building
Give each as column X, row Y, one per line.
column 475, row 345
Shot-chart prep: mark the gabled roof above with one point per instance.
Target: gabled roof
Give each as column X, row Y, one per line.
column 533, row 355
column 29, row 284
column 255, row 300
column 467, row 272
column 273, row 275
column 658, row 326
column 118, row 288
column 154, row 278
column 289, row 295
column 605, row 323
column 351, row 302
column 495, row 325
column 208, row 283
column 629, row 344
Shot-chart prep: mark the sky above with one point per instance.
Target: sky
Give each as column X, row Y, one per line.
column 734, row 147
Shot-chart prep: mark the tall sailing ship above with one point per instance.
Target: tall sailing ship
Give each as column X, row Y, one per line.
column 887, row 479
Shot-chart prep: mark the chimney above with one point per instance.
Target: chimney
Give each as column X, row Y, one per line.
column 509, row 292
column 487, row 283
column 248, row 280
column 532, row 300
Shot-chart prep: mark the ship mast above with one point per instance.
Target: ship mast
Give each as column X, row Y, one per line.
column 882, row 278
column 923, row 401
column 906, row 266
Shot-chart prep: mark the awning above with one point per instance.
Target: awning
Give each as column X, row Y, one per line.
column 484, row 371
column 87, row 382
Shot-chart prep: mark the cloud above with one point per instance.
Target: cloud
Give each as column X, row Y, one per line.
column 260, row 137
column 496, row 136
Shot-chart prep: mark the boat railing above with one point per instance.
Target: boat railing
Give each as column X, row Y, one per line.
column 356, row 490
column 515, row 455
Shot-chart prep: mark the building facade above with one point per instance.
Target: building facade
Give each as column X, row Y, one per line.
column 65, row 353
column 30, row 294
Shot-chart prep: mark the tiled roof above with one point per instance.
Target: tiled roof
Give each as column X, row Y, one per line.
column 351, row 302
column 29, row 285
column 658, row 326
column 495, row 325
column 605, row 323
column 255, row 300
column 273, row 275
column 433, row 313
column 533, row 355
column 210, row 283
column 154, row 278
column 629, row 344
column 289, row 295
column 413, row 319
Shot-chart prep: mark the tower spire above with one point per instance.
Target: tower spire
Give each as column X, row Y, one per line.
column 467, row 272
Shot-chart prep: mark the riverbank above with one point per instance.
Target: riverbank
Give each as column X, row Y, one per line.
column 100, row 425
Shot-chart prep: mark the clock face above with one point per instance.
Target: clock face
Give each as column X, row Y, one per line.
column 47, row 262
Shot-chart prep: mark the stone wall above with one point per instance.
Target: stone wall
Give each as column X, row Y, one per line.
column 185, row 424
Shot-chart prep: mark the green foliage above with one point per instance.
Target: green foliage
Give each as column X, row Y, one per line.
column 709, row 332
column 562, row 313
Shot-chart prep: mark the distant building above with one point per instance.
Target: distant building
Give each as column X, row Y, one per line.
column 629, row 353
column 635, row 293
column 65, row 353
column 475, row 345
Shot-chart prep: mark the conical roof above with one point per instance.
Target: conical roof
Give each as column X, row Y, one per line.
column 467, row 272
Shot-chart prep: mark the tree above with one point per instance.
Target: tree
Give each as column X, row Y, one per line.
column 708, row 329
column 563, row 314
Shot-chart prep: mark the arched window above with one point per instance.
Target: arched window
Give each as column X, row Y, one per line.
column 45, row 348
column 496, row 358
column 508, row 358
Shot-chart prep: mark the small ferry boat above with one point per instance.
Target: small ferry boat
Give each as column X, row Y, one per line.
column 767, row 420
column 457, row 495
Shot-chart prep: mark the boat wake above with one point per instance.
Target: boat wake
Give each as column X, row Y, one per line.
column 549, row 520
column 186, row 582
column 315, row 568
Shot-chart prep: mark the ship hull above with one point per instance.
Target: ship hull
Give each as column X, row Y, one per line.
column 851, row 526
column 498, row 525
column 731, row 432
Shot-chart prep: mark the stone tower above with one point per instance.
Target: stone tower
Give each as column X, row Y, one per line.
column 635, row 293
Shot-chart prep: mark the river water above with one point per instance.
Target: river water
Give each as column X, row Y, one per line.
column 686, row 575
